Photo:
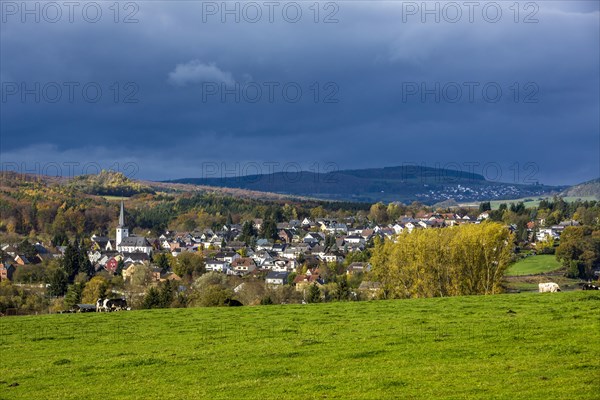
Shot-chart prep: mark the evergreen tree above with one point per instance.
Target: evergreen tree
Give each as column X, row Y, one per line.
column 167, row 292
column 151, row 299
column 59, row 239
column 248, row 232
column 343, row 292
column 70, row 262
column 314, row 294
column 27, row 249
column 73, row 295
column 162, row 262
column 58, row 283
column 269, row 229
column 84, row 262
column 120, row 267
column 485, row 206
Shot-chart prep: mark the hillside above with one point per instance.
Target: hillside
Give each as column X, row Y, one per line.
column 84, row 205
column 108, row 183
column 503, row 346
column 586, row 189
column 404, row 183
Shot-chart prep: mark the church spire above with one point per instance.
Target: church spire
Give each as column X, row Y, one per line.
column 122, row 217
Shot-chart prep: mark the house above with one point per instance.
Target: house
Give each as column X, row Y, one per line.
column 6, row 271
column 354, row 239
column 227, row 256
column 276, row 278
column 94, row 256
column 137, row 258
column 112, row 264
column 216, row 265
column 243, row 265
column 100, row 242
column 306, row 223
column 545, row 234
column 262, row 256
column 371, row 289
column 398, row 228
column 170, row 276
column 302, row 282
column 367, row 233
column 155, row 273
column 313, row 238
column 569, row 223
column 319, row 251
column 22, row 260
column 257, row 223
column 336, row 228
column 280, row 264
column 130, row 269
column 286, row 235
column 235, row 245
column 410, row 226
column 333, row 257
column 357, row 267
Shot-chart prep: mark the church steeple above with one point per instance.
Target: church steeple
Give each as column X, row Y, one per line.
column 122, row 217
column 122, row 231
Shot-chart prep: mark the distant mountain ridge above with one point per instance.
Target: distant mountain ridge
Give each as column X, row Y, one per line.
column 585, row 189
column 406, row 183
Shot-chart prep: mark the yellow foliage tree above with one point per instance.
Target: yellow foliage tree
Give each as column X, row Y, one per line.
column 462, row 260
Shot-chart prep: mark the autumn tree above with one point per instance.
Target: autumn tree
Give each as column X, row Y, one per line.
column 579, row 251
column 188, row 265
column 210, row 290
column 95, row 289
column 463, row 260
column 378, row 213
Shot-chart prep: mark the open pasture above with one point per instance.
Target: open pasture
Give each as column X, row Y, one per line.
column 524, row 346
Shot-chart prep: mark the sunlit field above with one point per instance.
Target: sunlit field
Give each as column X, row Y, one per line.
column 534, row 265
column 504, row 346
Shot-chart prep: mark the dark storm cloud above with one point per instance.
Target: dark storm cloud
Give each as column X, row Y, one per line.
column 379, row 87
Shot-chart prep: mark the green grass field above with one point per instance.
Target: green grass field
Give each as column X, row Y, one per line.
column 473, row 347
column 534, row 265
column 529, row 202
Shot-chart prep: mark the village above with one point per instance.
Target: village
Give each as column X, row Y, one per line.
column 299, row 256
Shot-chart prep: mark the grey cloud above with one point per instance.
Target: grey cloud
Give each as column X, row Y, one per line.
column 195, row 71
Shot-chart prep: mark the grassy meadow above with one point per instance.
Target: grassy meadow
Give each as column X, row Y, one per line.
column 521, row 346
column 534, row 265
column 529, row 202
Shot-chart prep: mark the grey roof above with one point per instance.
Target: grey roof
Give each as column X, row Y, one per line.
column 277, row 275
column 137, row 256
column 135, row 241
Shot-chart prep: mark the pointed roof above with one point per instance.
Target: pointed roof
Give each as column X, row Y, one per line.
column 122, row 217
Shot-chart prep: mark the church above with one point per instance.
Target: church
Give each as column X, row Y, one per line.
column 130, row 244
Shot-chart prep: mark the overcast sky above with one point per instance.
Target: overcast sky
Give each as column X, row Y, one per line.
column 285, row 85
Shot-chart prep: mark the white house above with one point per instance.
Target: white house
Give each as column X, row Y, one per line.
column 216, row 265
column 275, row 278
